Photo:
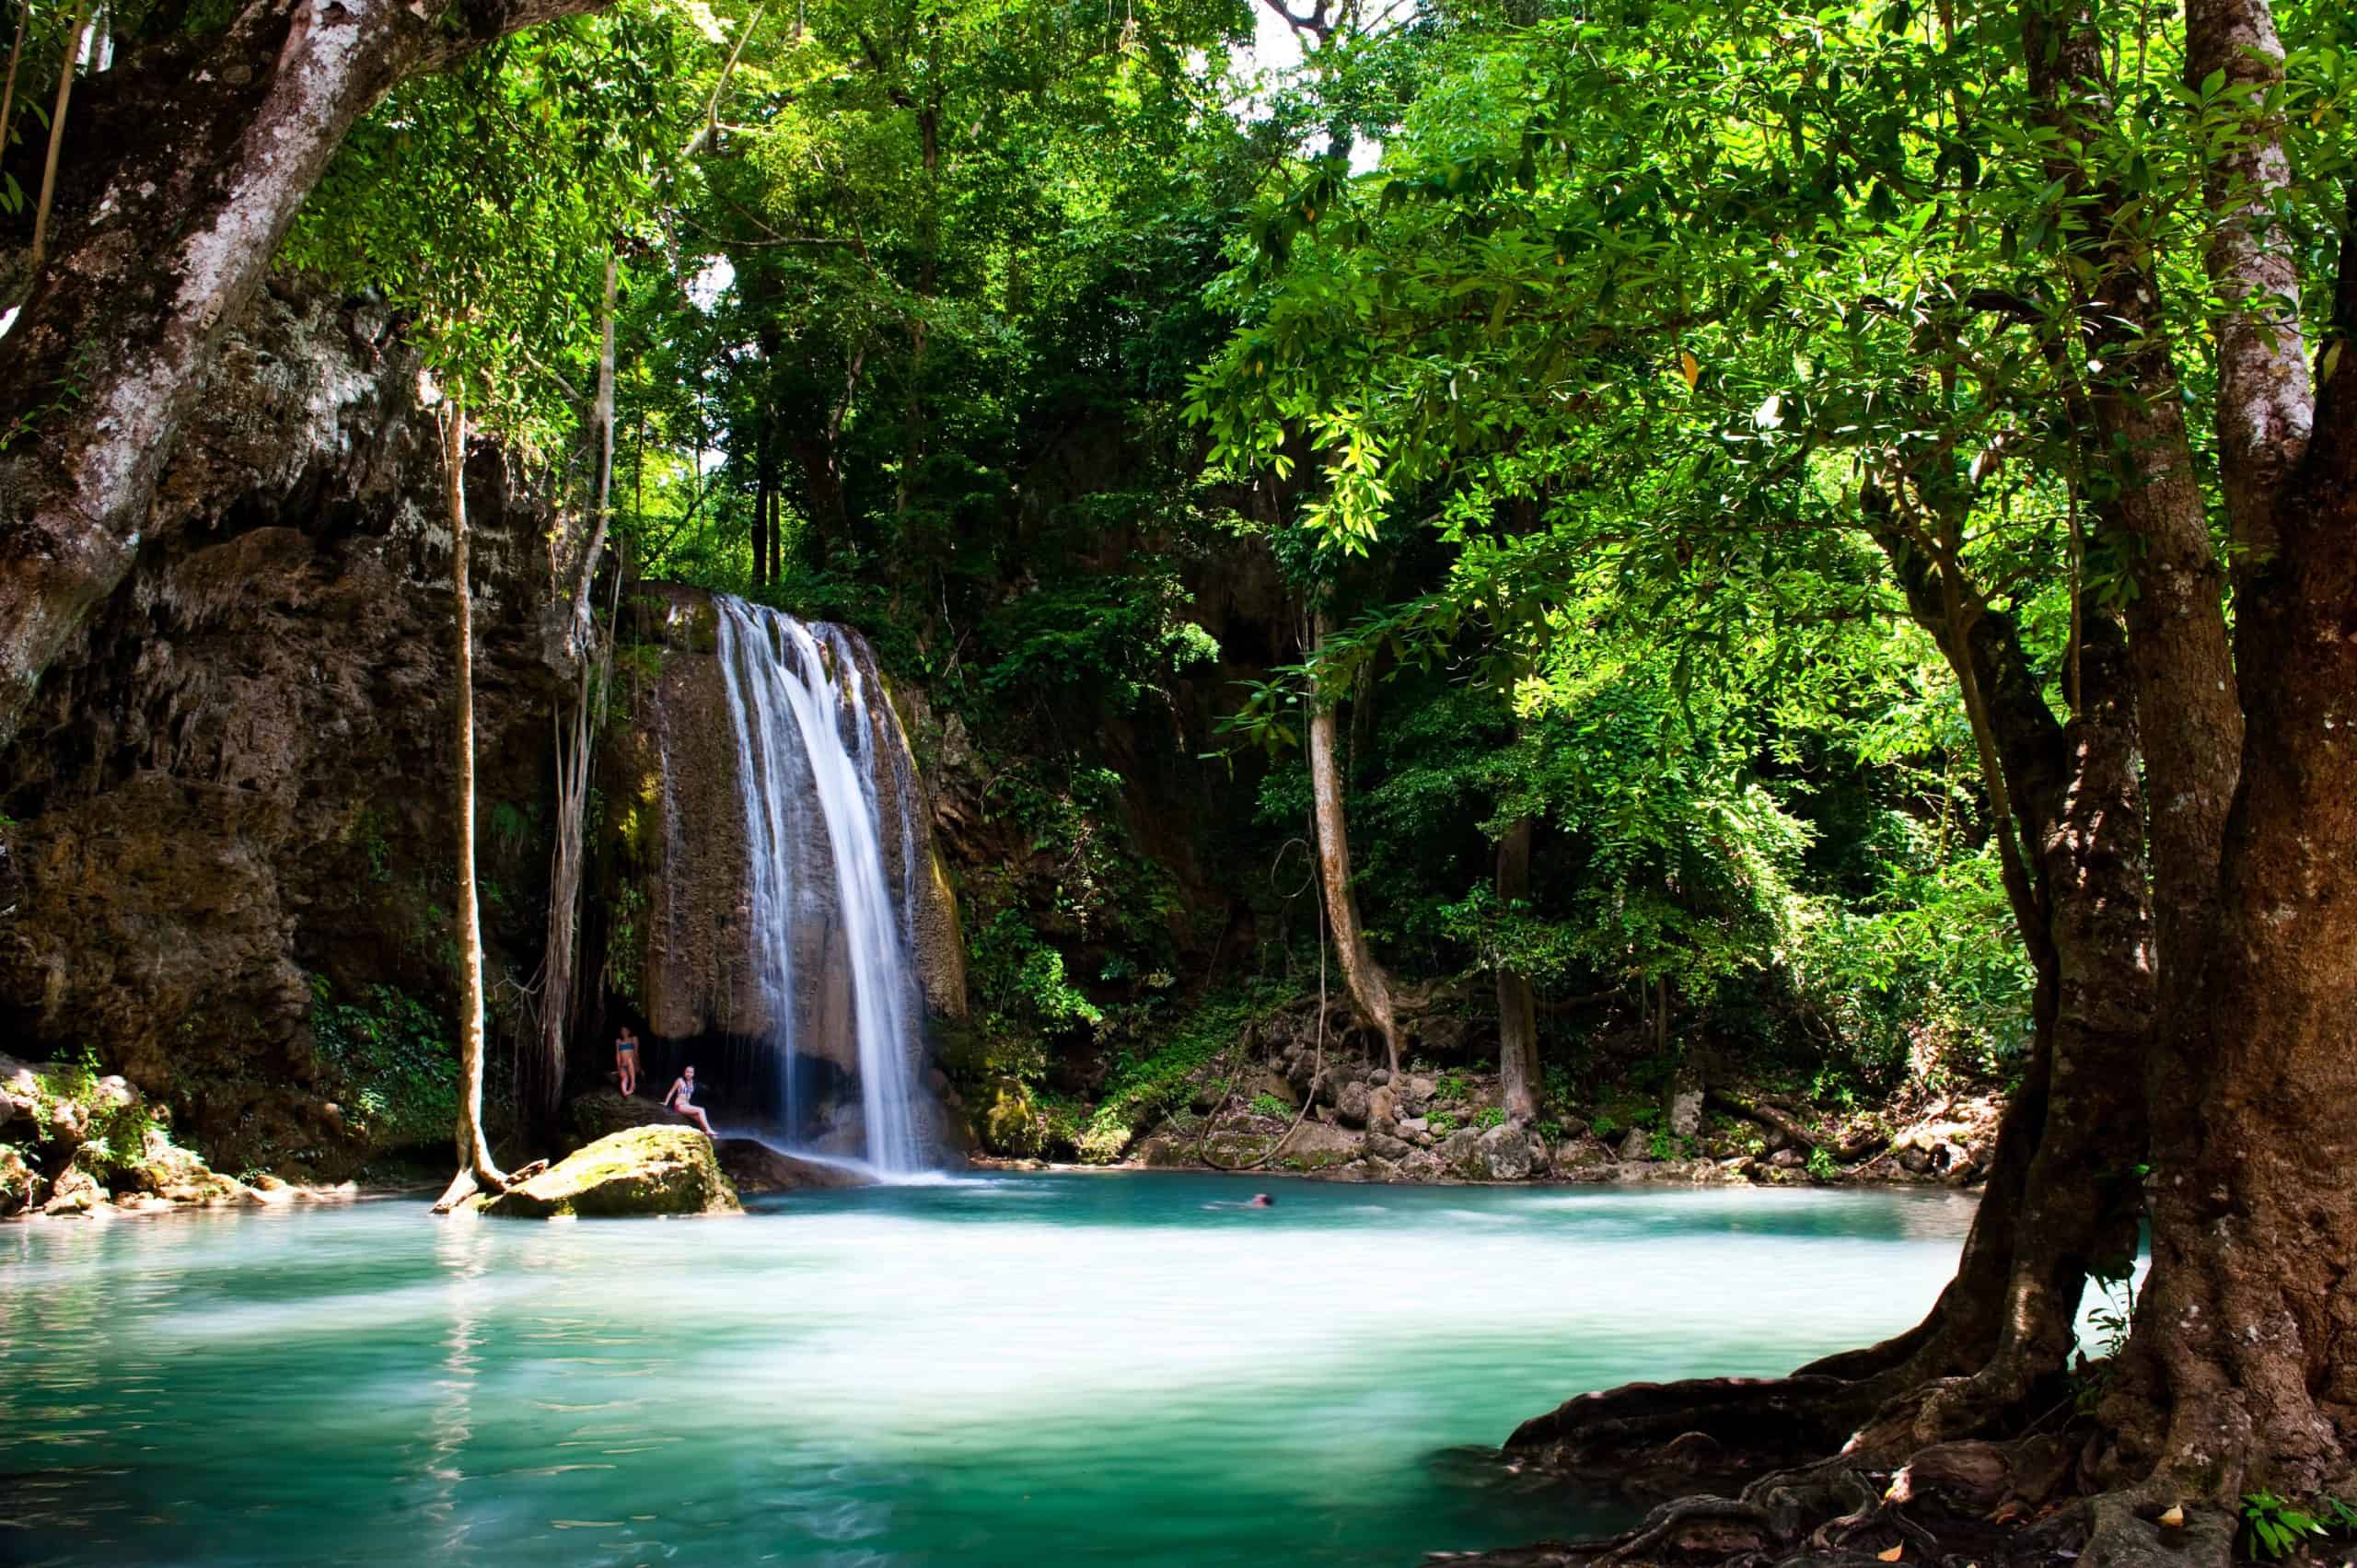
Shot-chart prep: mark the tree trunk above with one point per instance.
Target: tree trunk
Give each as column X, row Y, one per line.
column 189, row 161
column 601, row 419
column 2191, row 728
column 8, row 87
column 2242, row 1376
column 1369, row 987
column 475, row 1166
column 539, row 1074
column 762, row 505
column 1519, row 1083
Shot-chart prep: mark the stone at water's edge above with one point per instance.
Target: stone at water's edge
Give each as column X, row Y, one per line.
column 755, row 1168
column 645, row 1171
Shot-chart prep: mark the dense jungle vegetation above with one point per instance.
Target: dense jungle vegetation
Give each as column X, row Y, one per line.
column 1822, row 537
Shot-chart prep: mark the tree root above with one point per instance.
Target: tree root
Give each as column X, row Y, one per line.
column 1996, row 1504
column 1658, row 1439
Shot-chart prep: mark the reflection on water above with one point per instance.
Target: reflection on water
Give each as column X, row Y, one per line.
column 1004, row 1372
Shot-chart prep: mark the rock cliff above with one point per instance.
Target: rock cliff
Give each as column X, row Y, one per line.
column 230, row 798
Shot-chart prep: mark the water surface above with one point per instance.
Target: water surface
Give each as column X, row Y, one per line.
column 1000, row 1372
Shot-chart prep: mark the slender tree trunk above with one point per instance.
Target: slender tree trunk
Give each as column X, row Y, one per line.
column 601, row 417
column 1369, row 987
column 762, row 504
column 539, row 1074
column 8, row 88
column 1518, row 1072
column 475, row 1167
column 65, row 72
column 189, row 161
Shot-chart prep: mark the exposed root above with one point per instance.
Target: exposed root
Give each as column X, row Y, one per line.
column 2008, row 1505
column 1658, row 1439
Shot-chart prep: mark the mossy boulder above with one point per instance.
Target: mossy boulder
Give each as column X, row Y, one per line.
column 640, row 1171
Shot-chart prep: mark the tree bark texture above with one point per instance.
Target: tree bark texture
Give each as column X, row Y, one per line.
column 188, row 161
column 2243, row 1374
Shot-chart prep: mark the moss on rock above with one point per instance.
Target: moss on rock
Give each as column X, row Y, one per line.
column 642, row 1170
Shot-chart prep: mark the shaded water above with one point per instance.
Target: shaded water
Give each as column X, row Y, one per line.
column 1000, row 1372
column 799, row 701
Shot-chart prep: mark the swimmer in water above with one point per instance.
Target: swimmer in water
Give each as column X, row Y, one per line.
column 1261, row 1201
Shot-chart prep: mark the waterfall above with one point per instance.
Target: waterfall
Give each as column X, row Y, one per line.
column 810, row 747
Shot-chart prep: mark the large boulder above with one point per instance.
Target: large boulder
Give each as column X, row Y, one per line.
column 1504, row 1153
column 1685, row 1112
column 752, row 1166
column 1315, row 1145
column 171, row 1173
column 1509, row 1152
column 642, row 1171
column 605, row 1111
column 76, row 1191
column 1353, row 1103
column 1636, row 1146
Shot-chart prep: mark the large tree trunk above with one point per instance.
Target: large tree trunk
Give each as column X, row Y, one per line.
column 1518, row 1073
column 1369, row 987
column 475, row 1166
column 2242, row 1373
column 186, row 164
column 2192, row 725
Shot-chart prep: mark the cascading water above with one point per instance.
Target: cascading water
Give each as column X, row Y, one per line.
column 810, row 747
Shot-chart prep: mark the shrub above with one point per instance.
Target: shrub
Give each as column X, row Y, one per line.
column 390, row 1064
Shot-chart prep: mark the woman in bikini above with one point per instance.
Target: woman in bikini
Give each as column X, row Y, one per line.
column 626, row 1059
column 682, row 1098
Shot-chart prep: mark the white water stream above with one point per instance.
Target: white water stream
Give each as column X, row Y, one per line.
column 809, row 715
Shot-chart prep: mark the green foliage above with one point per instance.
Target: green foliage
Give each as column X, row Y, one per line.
column 1440, row 1124
column 1271, row 1106
column 390, row 1064
column 2274, row 1529
column 1020, row 979
column 626, row 943
column 114, row 1136
column 1489, row 1116
column 1820, row 1164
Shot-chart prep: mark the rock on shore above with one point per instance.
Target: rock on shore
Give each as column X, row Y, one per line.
column 640, row 1171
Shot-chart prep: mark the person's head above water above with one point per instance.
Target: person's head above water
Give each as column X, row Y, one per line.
column 1262, row 1200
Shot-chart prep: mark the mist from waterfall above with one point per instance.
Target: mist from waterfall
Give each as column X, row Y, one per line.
column 811, row 728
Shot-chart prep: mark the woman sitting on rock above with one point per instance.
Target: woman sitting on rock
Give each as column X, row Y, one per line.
column 682, row 1098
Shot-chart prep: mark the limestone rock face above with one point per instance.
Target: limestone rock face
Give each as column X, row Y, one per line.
column 646, row 1170
column 231, row 781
